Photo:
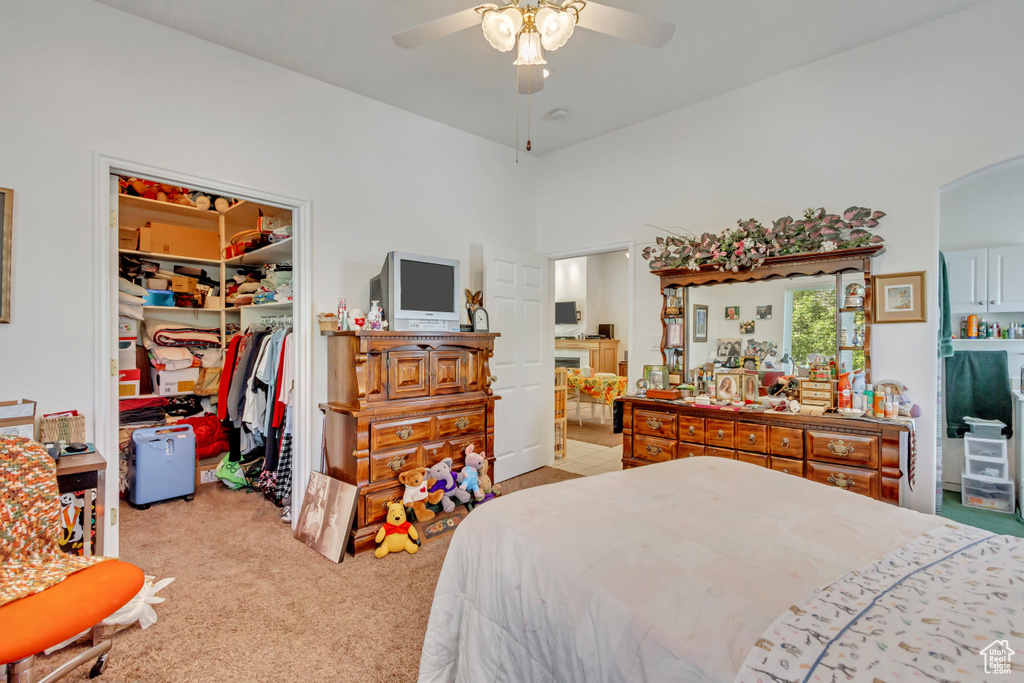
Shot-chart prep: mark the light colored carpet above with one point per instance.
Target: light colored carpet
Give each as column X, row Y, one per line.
column 250, row 603
column 592, row 431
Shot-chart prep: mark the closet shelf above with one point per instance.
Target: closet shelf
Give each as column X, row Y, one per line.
column 275, row 304
column 143, row 204
column 278, row 252
column 190, row 309
column 168, row 257
column 130, row 398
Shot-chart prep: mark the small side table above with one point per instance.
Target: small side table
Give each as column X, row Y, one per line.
column 85, row 471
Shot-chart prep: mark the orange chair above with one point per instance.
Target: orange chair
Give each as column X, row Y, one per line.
column 47, row 596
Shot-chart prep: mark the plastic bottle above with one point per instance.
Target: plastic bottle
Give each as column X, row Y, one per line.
column 869, row 399
column 972, row 326
column 983, row 329
column 845, row 393
column 890, row 406
column 879, row 404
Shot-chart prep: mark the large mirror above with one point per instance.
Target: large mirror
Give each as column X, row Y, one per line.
column 785, row 323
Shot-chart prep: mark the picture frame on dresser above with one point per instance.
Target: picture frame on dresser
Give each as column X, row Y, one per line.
column 6, row 228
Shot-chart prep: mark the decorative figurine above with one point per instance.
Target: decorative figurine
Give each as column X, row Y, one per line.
column 356, row 319
column 854, row 295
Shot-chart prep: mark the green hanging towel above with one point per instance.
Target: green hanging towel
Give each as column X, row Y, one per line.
column 977, row 385
column 945, row 318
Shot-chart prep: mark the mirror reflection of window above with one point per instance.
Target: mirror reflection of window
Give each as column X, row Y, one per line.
column 811, row 322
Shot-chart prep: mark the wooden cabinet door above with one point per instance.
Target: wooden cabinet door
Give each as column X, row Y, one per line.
column 408, row 374
column 447, row 372
column 1005, row 264
column 968, row 280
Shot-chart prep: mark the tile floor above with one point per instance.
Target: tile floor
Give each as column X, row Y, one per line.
column 589, row 459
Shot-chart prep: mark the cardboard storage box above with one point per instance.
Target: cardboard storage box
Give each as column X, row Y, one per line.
column 18, row 418
column 168, row 382
column 127, row 329
column 126, row 357
column 177, row 240
column 184, row 284
column 128, row 382
column 127, row 239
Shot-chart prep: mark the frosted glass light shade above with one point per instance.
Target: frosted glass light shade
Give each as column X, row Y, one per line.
column 530, row 52
column 501, row 26
column 555, row 27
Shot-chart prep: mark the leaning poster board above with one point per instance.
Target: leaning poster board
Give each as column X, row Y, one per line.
column 328, row 511
column 18, row 418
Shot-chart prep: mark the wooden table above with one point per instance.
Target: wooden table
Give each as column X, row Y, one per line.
column 85, row 471
column 603, row 389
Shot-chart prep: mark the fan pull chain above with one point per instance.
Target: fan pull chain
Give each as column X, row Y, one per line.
column 529, row 111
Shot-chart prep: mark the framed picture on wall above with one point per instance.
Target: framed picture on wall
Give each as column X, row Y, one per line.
column 6, row 216
column 675, row 335
column 900, row 298
column 732, row 312
column 700, row 323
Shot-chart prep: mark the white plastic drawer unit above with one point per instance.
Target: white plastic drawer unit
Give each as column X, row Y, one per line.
column 990, row 449
column 987, row 493
column 990, row 469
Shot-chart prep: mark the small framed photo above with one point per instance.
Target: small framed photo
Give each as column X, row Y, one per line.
column 656, row 376
column 747, row 327
column 764, row 312
column 728, row 386
column 750, row 363
column 732, row 312
column 751, row 386
column 728, row 347
column 900, row 298
column 674, row 335
column 700, row 323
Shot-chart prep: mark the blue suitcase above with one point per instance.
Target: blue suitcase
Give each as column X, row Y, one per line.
column 163, row 465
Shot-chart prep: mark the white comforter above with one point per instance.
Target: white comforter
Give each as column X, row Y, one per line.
column 668, row 572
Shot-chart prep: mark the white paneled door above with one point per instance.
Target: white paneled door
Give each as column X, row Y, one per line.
column 516, row 296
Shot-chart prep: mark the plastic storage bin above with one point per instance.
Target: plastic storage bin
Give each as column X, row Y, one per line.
column 985, row 429
column 984, row 467
column 987, row 493
column 163, row 465
column 992, row 449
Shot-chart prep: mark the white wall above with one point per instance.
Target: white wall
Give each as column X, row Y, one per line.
column 884, row 125
column 608, row 294
column 571, row 285
column 79, row 78
column 986, row 210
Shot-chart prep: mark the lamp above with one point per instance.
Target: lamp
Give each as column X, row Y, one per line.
column 548, row 25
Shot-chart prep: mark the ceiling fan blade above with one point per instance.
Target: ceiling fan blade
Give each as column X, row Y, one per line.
column 438, row 28
column 530, row 78
column 629, row 26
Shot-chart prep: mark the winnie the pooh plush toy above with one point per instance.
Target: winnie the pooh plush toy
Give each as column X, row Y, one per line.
column 418, row 493
column 469, row 477
column 397, row 534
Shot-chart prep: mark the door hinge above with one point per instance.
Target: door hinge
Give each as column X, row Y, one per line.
column 113, row 367
column 113, row 218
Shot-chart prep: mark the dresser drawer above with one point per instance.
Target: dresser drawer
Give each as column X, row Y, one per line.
column 384, row 435
column 752, row 458
column 842, row 448
column 721, row 452
column 457, row 424
column 654, row 423
column 653, row 449
column 786, row 441
column 456, row 449
column 787, row 466
column 433, row 453
column 864, row 482
column 719, row 433
column 389, row 464
column 751, row 437
column 376, row 503
column 816, row 386
column 689, row 450
column 691, row 429
column 815, row 395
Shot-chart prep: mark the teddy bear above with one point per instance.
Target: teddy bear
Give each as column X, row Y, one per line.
column 441, row 475
column 418, row 493
column 469, row 477
column 397, row 534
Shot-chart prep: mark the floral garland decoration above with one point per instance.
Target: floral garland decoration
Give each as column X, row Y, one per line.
column 749, row 244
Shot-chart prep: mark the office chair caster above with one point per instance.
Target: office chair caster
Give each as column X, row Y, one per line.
column 97, row 668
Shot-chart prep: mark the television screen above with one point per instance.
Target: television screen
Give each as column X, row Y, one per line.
column 565, row 313
column 427, row 287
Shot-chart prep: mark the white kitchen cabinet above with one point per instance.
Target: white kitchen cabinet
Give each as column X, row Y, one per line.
column 968, row 280
column 986, row 280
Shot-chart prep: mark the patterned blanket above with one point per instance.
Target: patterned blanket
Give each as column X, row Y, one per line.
column 948, row 606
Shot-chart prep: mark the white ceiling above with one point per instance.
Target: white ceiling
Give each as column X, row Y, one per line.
column 604, row 84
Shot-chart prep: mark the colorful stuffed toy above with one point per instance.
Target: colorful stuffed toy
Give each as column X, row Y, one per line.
column 441, row 474
column 397, row 534
column 490, row 490
column 418, row 493
column 469, row 477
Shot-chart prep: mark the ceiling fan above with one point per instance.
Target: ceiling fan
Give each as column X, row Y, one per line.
column 544, row 26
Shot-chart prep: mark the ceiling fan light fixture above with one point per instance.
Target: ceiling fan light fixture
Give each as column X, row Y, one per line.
column 501, row 26
column 530, row 52
column 555, row 26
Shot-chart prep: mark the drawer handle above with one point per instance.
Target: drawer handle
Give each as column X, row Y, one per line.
column 689, row 455
column 751, row 439
column 721, row 434
column 785, row 470
column 840, row 448
column 654, row 423
column 404, row 432
column 652, row 449
column 462, row 423
column 785, row 442
column 692, row 431
column 396, row 463
column 840, row 481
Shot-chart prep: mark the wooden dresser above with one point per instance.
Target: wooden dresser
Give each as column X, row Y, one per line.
column 857, row 455
column 400, row 400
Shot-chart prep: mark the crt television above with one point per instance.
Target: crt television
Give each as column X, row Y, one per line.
column 565, row 313
column 418, row 292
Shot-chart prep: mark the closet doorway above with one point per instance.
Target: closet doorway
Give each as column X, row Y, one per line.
column 203, row 262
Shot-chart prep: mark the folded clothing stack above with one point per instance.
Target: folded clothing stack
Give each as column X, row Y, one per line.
column 130, row 299
column 142, row 411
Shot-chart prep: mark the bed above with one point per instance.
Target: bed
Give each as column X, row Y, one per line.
column 667, row 572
